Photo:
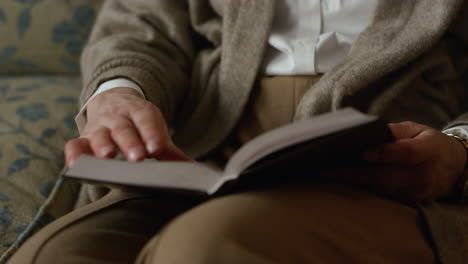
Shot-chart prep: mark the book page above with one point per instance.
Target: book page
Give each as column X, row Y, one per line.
column 189, row 176
column 291, row 134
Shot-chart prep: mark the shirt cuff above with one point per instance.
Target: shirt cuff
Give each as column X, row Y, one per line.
column 80, row 118
column 460, row 193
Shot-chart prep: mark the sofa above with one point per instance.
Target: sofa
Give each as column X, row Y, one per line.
column 40, row 45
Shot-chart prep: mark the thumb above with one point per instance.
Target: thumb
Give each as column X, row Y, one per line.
column 408, row 149
column 406, row 129
column 396, row 182
column 76, row 147
column 411, row 151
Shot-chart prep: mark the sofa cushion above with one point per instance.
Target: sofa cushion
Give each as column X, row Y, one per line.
column 35, row 122
column 40, row 36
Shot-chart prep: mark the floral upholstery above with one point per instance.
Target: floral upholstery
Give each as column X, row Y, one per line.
column 40, row 36
column 40, row 44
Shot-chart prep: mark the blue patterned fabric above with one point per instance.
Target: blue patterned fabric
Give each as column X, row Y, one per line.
column 41, row 36
column 35, row 122
column 40, row 44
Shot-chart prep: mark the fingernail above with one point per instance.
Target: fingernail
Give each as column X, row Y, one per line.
column 71, row 162
column 136, row 153
column 151, row 146
column 106, row 150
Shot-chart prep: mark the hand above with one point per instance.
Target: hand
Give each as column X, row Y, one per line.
column 120, row 119
column 423, row 163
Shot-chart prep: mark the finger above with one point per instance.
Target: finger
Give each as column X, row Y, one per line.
column 126, row 137
column 151, row 127
column 406, row 129
column 74, row 148
column 401, row 183
column 102, row 144
column 404, row 152
column 410, row 184
column 153, row 131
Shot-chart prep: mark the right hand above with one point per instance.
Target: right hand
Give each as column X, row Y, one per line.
column 121, row 120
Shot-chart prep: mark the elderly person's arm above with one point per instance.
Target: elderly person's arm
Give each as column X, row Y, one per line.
column 150, row 44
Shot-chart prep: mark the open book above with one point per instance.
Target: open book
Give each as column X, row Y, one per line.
column 293, row 152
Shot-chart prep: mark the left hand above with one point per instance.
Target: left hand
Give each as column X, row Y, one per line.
column 422, row 163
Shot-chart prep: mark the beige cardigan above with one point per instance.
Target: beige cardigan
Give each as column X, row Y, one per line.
column 198, row 59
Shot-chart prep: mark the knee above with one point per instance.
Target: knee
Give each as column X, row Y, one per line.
column 43, row 250
column 216, row 232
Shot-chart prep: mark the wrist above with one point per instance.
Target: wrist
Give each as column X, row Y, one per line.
column 459, row 189
column 462, row 148
column 111, row 97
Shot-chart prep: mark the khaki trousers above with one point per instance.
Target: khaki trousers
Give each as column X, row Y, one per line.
column 317, row 223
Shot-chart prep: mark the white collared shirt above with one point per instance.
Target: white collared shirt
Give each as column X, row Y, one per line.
column 312, row 36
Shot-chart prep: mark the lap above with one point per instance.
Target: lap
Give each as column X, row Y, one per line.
column 301, row 224
column 321, row 223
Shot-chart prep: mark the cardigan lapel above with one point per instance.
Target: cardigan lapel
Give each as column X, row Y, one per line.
column 246, row 27
column 400, row 32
